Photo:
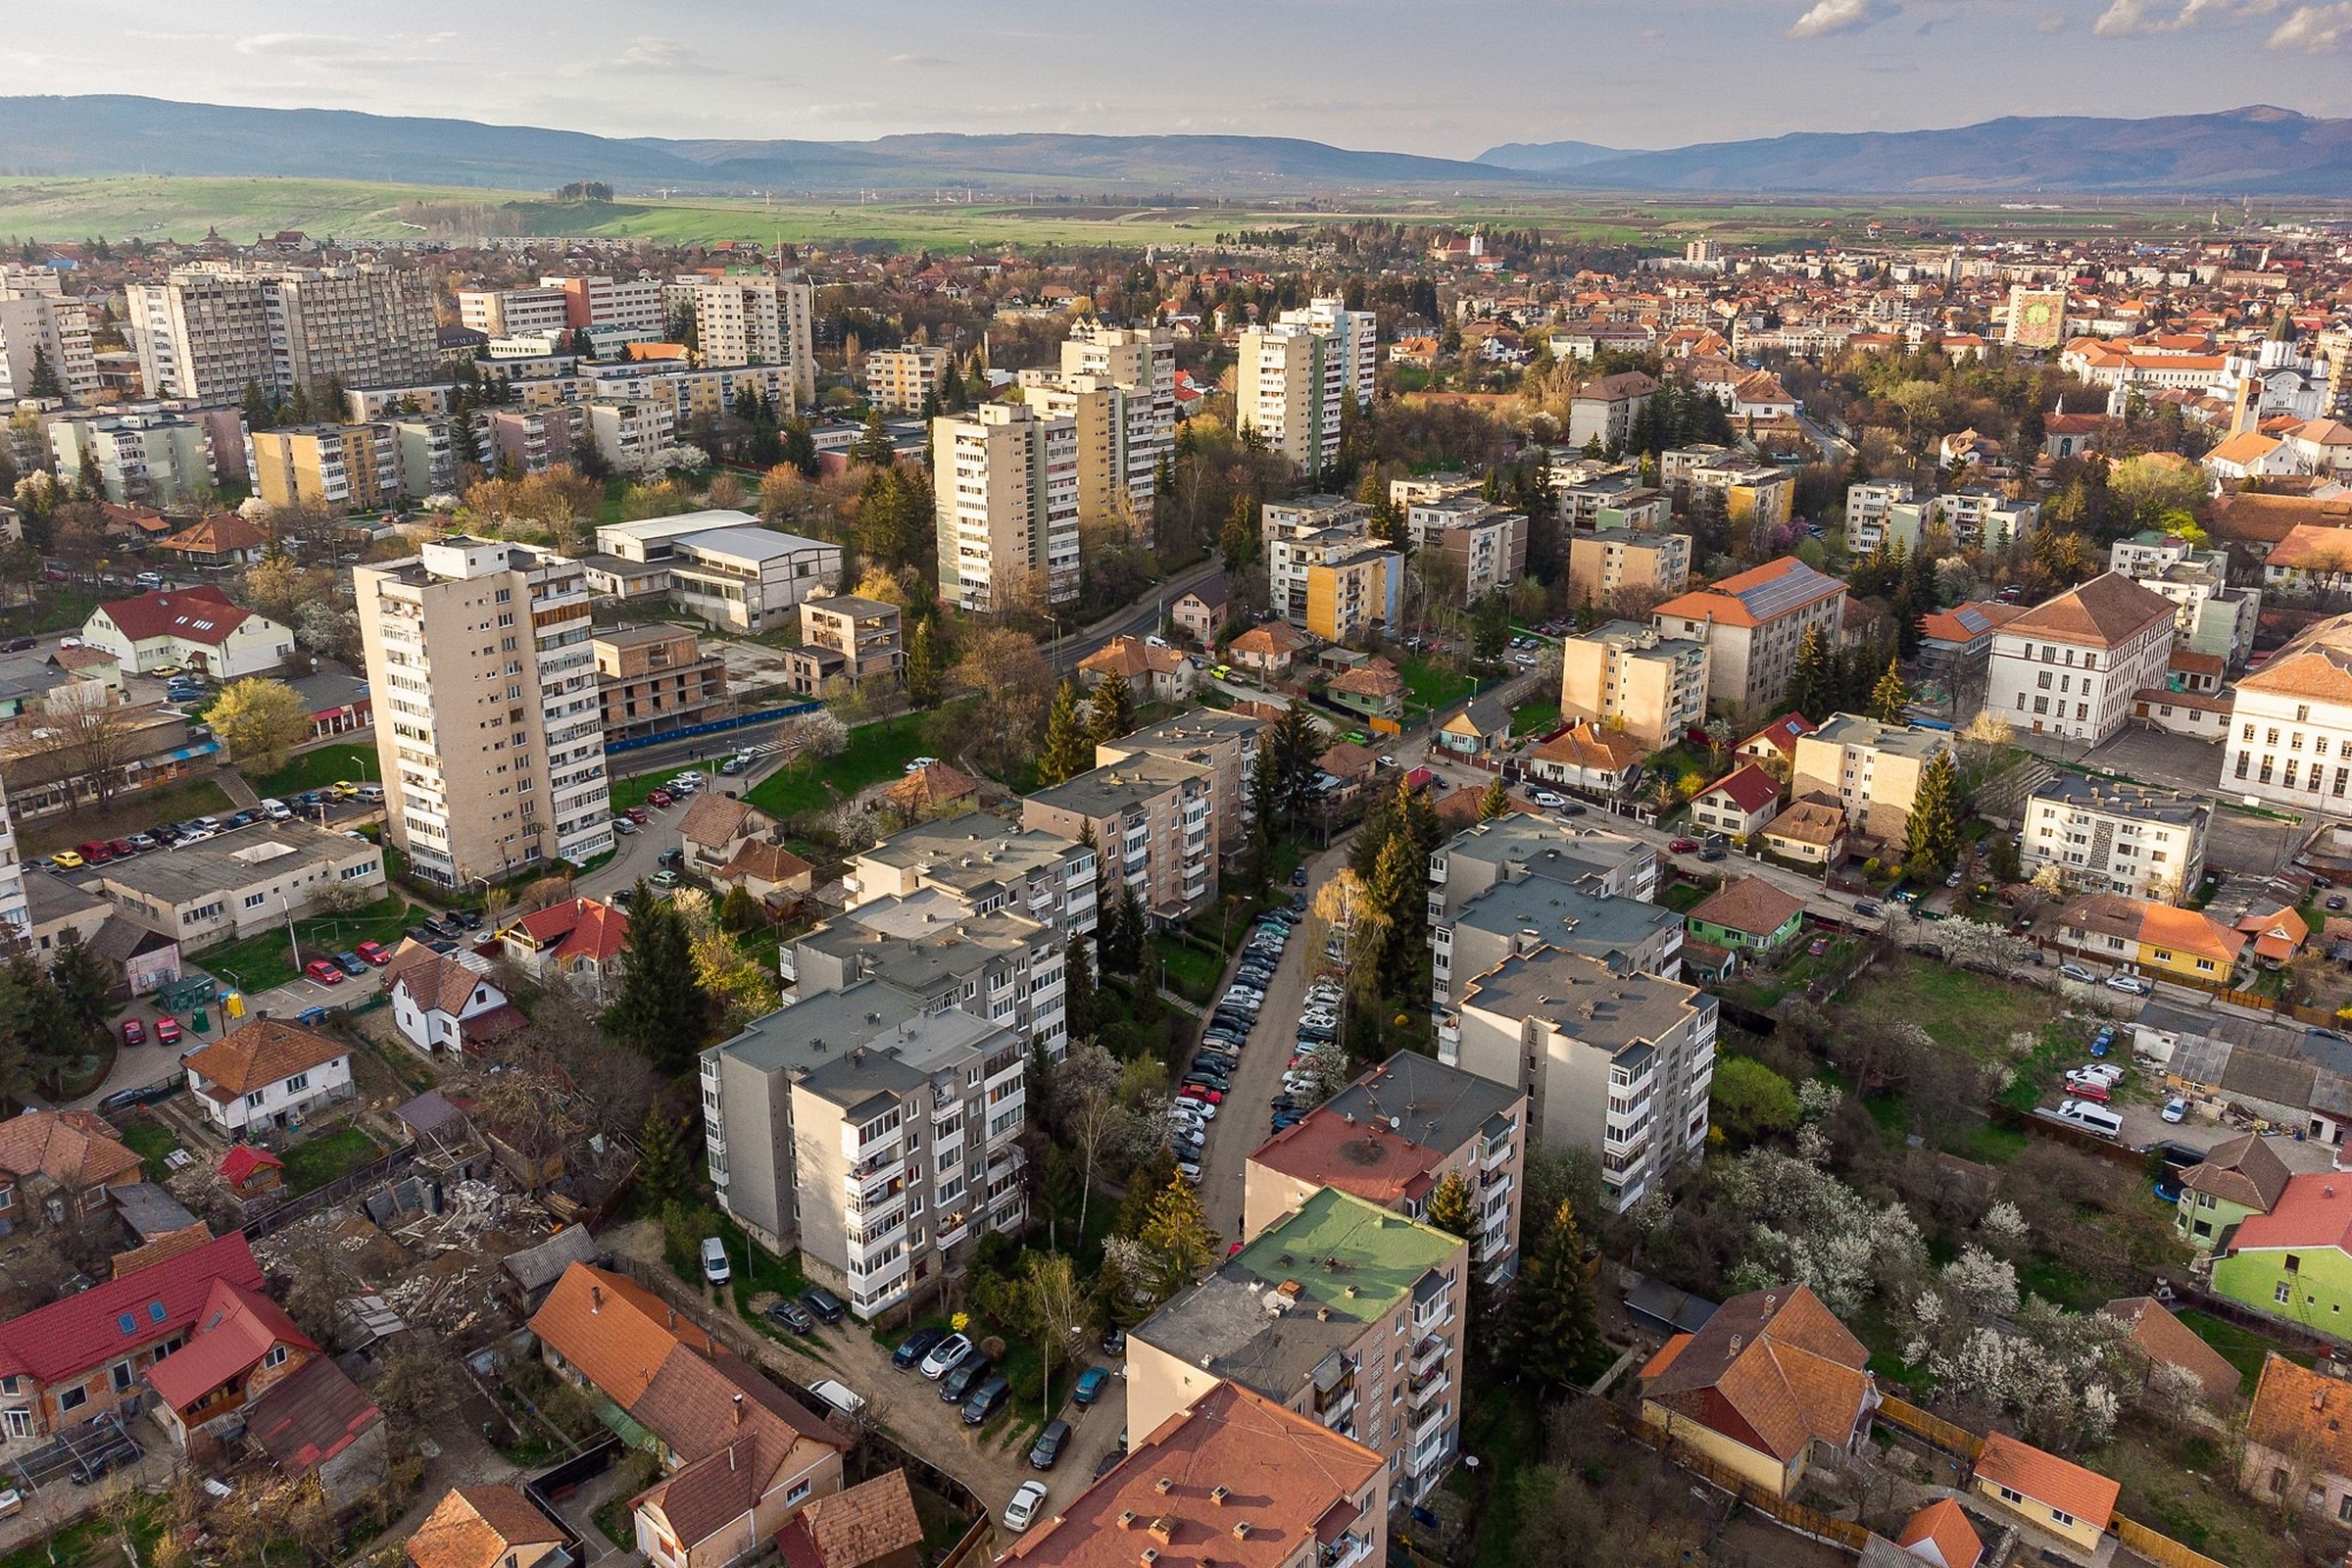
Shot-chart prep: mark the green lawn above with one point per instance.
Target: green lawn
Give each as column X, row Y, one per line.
column 2242, row 1349
column 151, row 1141
column 1189, row 971
column 1966, row 1010
column 261, row 960
column 1428, row 687
column 92, row 1542
column 1683, row 897
column 316, row 1162
column 316, row 770
column 126, row 814
column 53, row 609
column 1534, row 718
column 875, row 753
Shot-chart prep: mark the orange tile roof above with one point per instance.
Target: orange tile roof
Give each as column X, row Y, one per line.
column 2256, row 517
column 2313, row 1210
column 2297, row 1410
column 168, row 1245
column 2309, row 546
column 1727, row 603
column 868, row 1522
column 2245, row 448
column 1750, row 906
column 474, row 1527
column 2107, row 610
column 1272, row 640
column 1773, row 1370
column 2047, row 1479
column 1810, row 819
column 613, row 1331
column 1943, row 1523
column 2164, row 1337
column 75, row 1149
column 1585, row 744
column 261, row 1052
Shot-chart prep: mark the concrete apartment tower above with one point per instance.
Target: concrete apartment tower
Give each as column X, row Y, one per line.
column 488, row 720
column 1005, row 481
column 1296, row 376
column 13, row 909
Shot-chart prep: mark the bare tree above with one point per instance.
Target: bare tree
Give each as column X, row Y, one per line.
column 85, row 738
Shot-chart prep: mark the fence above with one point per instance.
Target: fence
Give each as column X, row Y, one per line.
column 2162, row 1551
column 717, row 726
column 2064, row 1132
column 1932, row 1430
column 1809, row 1522
column 334, row 1192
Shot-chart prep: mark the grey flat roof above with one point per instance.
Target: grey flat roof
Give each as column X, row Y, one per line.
column 1192, row 728
column 53, row 897
column 753, row 543
column 659, row 631
column 2135, row 800
column 1581, row 998
column 903, row 1060
column 1116, row 786
column 1896, row 740
column 1439, row 1108
column 972, row 851
column 1517, row 836
column 1567, row 917
column 229, row 861
column 816, row 1030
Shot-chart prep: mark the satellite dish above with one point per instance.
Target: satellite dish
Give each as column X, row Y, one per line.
column 1395, row 1122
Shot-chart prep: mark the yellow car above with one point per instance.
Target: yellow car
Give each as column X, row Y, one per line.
column 67, row 861
column 345, row 788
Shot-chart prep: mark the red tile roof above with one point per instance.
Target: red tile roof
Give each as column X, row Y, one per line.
column 200, row 614
column 1782, row 734
column 243, row 1159
column 581, row 928
column 259, row 1053
column 310, row 1417
column 56, row 1342
column 2047, row 1479
column 1748, row 788
column 868, row 1522
column 1363, row 1157
column 474, row 1527
column 1943, row 1523
column 613, row 1331
column 2314, row 1210
column 1773, row 1370
column 235, row 1329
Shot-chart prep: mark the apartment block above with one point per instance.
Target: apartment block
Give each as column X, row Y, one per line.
column 514, row 312
column 425, row 453
column 1157, row 815
column 2209, row 616
column 756, row 318
column 1513, row 847
column 1349, row 592
column 633, row 437
column 1390, row 1138
column 1141, row 361
column 333, row 469
column 1296, row 373
column 1227, row 744
column 1488, row 544
column 1617, row 1063
column 1609, row 561
column 879, row 1140
column 2110, row 837
column 1744, row 493
column 844, row 637
column 1871, row 770
column 1524, row 912
column 1003, row 967
column 906, row 379
column 488, row 720
column 1006, row 489
column 534, row 440
column 987, row 863
column 683, row 393
column 154, row 460
column 1754, row 624
column 1867, row 505
column 1590, row 494
column 631, row 305
column 2072, row 665
column 1306, row 533
column 653, row 679
column 36, row 328
column 1629, row 677
column 2292, row 728
column 212, row 329
column 15, row 911
column 1117, row 441
column 1342, row 1310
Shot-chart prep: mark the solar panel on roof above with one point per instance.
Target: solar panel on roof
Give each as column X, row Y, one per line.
column 1801, row 584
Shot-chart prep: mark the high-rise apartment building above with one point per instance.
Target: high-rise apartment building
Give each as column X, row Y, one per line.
column 1297, row 374
column 756, row 319
column 212, row 329
column 622, row 304
column 13, row 909
column 155, row 459
column 334, row 468
column 1115, row 443
column 1158, row 814
column 514, row 312
column 1005, row 482
column 906, row 379
column 42, row 325
column 488, row 719
column 1139, row 359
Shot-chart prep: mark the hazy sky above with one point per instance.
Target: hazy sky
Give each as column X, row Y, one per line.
column 1449, row 78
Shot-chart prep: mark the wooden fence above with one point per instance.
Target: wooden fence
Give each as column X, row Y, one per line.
column 1932, row 1430
column 2162, row 1551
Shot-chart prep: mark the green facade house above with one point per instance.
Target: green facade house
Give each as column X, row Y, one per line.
column 2238, row 1179
column 2291, row 1262
column 1750, row 917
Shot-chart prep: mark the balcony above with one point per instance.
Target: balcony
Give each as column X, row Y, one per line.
column 1430, row 1353
column 1420, row 1391
column 1427, row 1427
column 1341, row 1415
column 1349, row 1550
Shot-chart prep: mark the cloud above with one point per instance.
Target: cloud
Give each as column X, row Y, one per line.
column 2123, row 18
column 2315, row 29
column 1841, row 15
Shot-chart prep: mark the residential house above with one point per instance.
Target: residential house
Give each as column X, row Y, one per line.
column 264, row 1074
column 87, row 1354
column 1589, row 758
column 1201, row 611
column 1811, row 831
column 769, row 872
column 2073, row 664
column 60, row 1169
column 580, row 939
column 933, row 790
column 240, row 1345
column 1630, row 677
column 1390, row 1138
column 1483, row 728
column 1941, row 1535
column 1267, row 650
column 1740, row 804
column 1871, row 770
column 1774, row 745
column 1373, row 689
column 2266, row 1071
column 872, row 1525
column 249, row 1171
column 1618, row 1064
column 316, row 1422
column 715, row 826
column 2311, row 560
column 2295, row 1261
column 2274, row 936
column 217, row 540
column 1750, row 916
column 739, row 1453
column 2292, row 723
column 1770, row 1381
column 1152, row 674
column 2238, row 1178
column 2140, row 933
column 190, row 628
column 488, row 1527
column 2298, row 1450
column 2051, row 1493
column 447, row 1003
column 1235, row 1475
column 1752, row 623
column 1345, row 1312
column 2117, row 837
column 2158, row 1340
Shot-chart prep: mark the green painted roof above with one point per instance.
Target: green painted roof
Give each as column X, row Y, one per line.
column 1355, row 1258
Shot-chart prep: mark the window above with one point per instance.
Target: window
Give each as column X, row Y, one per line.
column 2282, row 1294
column 276, row 1356
column 798, row 1494
column 298, row 1083
column 2062, row 1518
column 252, row 1101
column 2008, row 1495
column 119, row 1376
column 73, row 1399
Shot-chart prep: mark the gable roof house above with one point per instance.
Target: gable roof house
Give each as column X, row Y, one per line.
column 740, row 1454
column 1482, row 726
column 2160, row 1340
column 447, row 1003
column 2048, row 1493
column 487, row 1527
column 2238, row 1176
column 1940, row 1534
column 872, row 1525
column 263, row 1073
column 218, row 539
column 195, row 627
column 1749, row 914
column 86, row 1355
column 59, row 1168
column 1152, row 674
column 1739, row 804
column 1588, row 758
column 715, row 826
column 241, row 1344
column 2298, row 1448
column 579, row 939
column 1771, row 1375
column 318, row 1422
column 1201, row 611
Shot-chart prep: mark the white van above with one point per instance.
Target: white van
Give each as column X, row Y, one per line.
column 717, row 1270
column 2098, row 1118
column 838, row 1397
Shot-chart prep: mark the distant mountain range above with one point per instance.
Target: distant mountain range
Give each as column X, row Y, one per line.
column 2257, row 151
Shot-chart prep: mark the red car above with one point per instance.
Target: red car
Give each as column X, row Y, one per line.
column 96, row 851
column 1212, row 1096
column 124, row 849
column 374, row 952
column 323, row 972
column 636, row 815
column 1683, row 846
column 134, row 1033
column 2088, row 1089
column 660, row 798
column 167, row 1030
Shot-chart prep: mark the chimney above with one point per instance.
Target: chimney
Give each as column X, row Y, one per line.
column 1217, row 1497
column 1127, row 1518
column 738, row 1418
column 596, row 1299
column 1165, row 1485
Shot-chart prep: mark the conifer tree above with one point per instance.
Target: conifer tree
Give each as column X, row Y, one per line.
column 1113, row 709
column 1068, row 750
column 1932, row 841
column 1556, row 1332
column 1891, row 699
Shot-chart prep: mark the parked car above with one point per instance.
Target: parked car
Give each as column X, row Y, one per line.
column 986, row 1401
column 1712, row 852
column 1297, row 876
column 914, row 1347
column 277, row 811
column 2089, row 1088
column 2075, row 972
column 1548, row 799
column 145, row 1094
column 2130, row 984
column 635, row 813
column 350, row 964
column 2176, row 1109
column 1114, row 1341
column 1091, row 1384
column 717, row 1270
column 374, row 952
column 1046, row 1453
column 1818, row 946
column 1028, row 1501
column 94, row 852
column 323, row 972
column 942, row 1355
column 167, row 1030
column 791, row 1315
column 1681, row 845
column 134, row 1033
column 965, row 1376
column 824, row 1303
column 624, row 826
column 660, row 798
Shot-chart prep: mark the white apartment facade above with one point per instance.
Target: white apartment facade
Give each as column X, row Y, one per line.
column 1005, row 486
column 38, row 327
column 756, row 319
column 514, row 312
column 2290, row 742
column 154, row 460
column 15, row 914
column 1866, row 509
column 212, row 329
column 1298, row 374
column 2072, row 665
column 489, row 726
column 629, row 305
column 2109, row 837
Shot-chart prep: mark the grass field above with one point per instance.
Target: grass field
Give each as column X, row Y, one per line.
column 315, row 770
column 131, row 813
column 1968, row 1011
column 316, row 1162
column 876, row 751
column 261, row 960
